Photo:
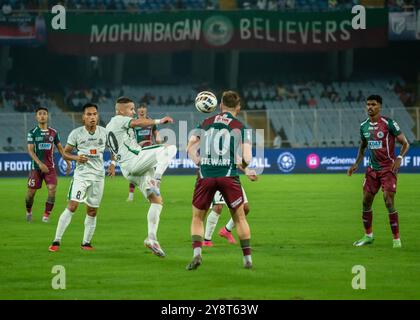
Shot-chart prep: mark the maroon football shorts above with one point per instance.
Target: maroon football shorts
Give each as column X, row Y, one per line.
column 36, row 177
column 375, row 179
column 229, row 187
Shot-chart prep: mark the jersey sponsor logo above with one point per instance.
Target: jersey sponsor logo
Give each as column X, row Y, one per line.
column 44, row 146
column 375, row 145
column 380, row 134
column 39, row 139
column 62, row 166
column 286, row 162
column 143, row 132
column 93, row 151
column 222, row 119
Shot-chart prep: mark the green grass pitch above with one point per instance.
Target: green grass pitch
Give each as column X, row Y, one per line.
column 303, row 227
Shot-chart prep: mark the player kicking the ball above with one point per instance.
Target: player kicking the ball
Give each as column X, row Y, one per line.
column 88, row 181
column 219, row 146
column 145, row 137
column 214, row 215
column 142, row 166
column 378, row 135
column 41, row 142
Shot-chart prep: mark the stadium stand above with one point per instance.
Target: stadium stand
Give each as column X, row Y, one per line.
column 308, row 113
column 318, row 114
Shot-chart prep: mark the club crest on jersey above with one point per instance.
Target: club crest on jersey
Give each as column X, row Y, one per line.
column 51, row 139
column 375, row 145
column 380, row 134
column 100, row 142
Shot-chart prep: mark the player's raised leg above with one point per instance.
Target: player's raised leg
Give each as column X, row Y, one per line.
column 367, row 217
column 393, row 218
column 211, row 224
column 163, row 157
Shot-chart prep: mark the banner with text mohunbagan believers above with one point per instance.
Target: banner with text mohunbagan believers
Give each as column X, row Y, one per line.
column 96, row 34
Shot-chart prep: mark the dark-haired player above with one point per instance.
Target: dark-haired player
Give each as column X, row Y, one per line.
column 143, row 166
column 41, row 142
column 146, row 136
column 89, row 177
column 219, row 146
column 378, row 135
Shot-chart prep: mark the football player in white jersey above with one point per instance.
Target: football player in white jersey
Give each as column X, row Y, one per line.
column 142, row 166
column 88, row 181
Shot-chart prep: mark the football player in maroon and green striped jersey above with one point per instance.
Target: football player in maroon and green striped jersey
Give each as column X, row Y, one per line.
column 378, row 135
column 220, row 146
column 146, row 136
column 41, row 142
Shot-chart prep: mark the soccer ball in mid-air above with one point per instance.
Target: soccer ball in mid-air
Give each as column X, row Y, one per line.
column 206, row 102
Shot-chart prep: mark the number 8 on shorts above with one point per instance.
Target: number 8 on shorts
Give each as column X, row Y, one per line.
column 89, row 192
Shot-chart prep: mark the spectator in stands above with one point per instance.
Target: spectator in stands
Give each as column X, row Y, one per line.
column 290, row 4
column 272, row 5
column 171, row 100
column 277, row 141
column 349, row 97
column 161, row 102
column 9, row 147
column 262, row 4
column 180, row 5
column 360, row 96
column 312, row 102
column 302, row 101
column 6, row 8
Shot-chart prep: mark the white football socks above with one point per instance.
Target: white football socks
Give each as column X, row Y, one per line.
column 197, row 251
column 230, row 225
column 153, row 217
column 63, row 223
column 130, row 196
column 211, row 223
column 90, row 226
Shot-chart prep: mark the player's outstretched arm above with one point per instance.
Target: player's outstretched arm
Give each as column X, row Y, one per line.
column 41, row 165
column 404, row 149
column 150, row 122
column 360, row 155
column 192, row 149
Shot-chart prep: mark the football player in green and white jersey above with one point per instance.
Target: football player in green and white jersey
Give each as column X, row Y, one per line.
column 143, row 166
column 88, row 181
